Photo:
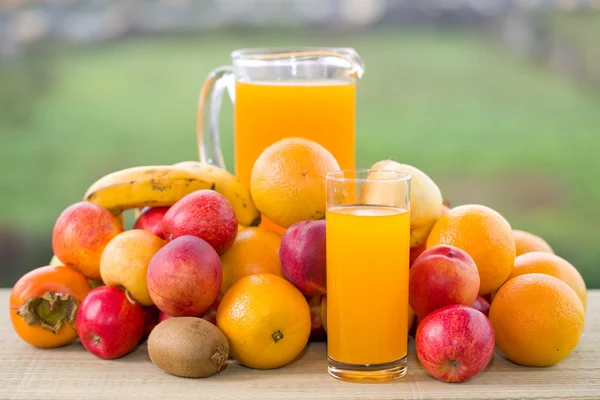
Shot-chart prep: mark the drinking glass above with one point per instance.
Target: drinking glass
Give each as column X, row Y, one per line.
column 368, row 244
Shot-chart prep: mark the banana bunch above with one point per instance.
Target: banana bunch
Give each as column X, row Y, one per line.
column 157, row 186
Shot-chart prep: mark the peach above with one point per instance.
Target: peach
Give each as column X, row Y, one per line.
column 205, row 214
column 125, row 262
column 80, row 235
column 303, row 259
column 184, row 277
column 442, row 275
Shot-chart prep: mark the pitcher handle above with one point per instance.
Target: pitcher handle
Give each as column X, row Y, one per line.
column 209, row 107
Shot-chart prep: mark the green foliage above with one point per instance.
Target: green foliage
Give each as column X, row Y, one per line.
column 488, row 127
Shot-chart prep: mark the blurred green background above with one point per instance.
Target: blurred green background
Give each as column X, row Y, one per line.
column 500, row 104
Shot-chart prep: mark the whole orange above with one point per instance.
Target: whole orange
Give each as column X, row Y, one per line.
column 411, row 318
column 537, row 319
column 485, row 235
column 527, row 242
column 266, row 319
column 551, row 264
column 288, row 180
column 255, row 251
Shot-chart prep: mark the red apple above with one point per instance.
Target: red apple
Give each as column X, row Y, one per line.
column 442, row 275
column 162, row 316
column 211, row 314
column 205, row 214
column 482, row 305
column 317, row 331
column 184, row 277
column 150, row 320
column 80, row 235
column 108, row 323
column 151, row 220
column 455, row 343
column 303, row 259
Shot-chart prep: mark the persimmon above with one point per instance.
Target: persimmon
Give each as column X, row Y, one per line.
column 43, row 305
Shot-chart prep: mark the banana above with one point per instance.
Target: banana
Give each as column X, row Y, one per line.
column 164, row 185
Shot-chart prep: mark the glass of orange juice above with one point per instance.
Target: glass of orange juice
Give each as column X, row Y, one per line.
column 279, row 93
column 368, row 244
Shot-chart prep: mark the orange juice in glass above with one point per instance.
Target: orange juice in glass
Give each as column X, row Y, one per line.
column 279, row 93
column 368, row 244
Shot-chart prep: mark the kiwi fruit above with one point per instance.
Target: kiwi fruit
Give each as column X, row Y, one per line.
column 188, row 347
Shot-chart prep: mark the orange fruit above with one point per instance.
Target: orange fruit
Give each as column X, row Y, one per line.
column 485, row 235
column 411, row 318
column 551, row 264
column 254, row 251
column 266, row 319
column 288, row 181
column 527, row 242
column 537, row 319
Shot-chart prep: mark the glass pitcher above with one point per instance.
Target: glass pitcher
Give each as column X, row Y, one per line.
column 278, row 93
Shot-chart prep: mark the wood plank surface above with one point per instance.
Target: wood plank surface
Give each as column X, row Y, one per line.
column 72, row 373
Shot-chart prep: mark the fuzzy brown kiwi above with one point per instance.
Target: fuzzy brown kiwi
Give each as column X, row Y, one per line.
column 189, row 347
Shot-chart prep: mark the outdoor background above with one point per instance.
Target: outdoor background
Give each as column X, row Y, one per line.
column 498, row 101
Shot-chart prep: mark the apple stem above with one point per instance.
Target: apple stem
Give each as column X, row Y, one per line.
column 130, row 297
column 453, row 363
column 277, row 336
column 49, row 311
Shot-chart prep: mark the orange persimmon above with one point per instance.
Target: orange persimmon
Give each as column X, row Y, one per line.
column 43, row 305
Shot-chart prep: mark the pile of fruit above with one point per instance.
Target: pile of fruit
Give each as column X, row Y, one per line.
column 202, row 282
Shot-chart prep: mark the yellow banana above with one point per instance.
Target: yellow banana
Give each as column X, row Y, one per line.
column 157, row 186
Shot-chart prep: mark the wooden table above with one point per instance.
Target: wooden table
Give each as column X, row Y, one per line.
column 72, row 373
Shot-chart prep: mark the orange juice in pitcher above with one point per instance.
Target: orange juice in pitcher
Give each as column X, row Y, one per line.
column 279, row 93
column 320, row 110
